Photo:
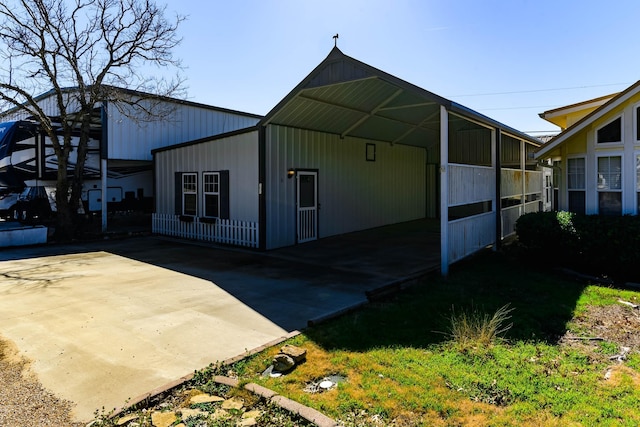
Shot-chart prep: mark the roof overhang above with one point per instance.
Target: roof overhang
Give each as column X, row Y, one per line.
column 586, row 121
column 559, row 116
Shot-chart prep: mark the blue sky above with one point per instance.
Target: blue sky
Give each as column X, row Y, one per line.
column 508, row 59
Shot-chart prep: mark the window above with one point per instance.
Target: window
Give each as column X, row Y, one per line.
column 638, row 123
column 576, row 184
column 610, row 185
column 611, row 132
column 638, row 183
column 211, row 183
column 214, row 194
column 189, row 194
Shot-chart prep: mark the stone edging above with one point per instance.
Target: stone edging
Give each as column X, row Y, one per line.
column 292, row 406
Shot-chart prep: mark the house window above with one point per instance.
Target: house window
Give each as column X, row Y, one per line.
column 638, row 183
column 610, row 185
column 638, row 123
column 189, row 194
column 611, row 132
column 211, row 183
column 576, row 184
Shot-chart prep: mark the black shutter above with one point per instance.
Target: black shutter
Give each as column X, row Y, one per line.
column 178, row 193
column 224, row 194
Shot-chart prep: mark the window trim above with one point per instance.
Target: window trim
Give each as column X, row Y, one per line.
column 636, row 126
column 205, row 193
column 582, row 190
column 585, row 173
column 622, row 178
column 636, row 158
column 611, row 143
column 609, row 155
column 184, row 192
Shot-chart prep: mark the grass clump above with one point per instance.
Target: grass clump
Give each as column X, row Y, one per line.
column 475, row 328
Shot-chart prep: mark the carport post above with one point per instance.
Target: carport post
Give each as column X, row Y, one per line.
column 104, row 188
column 444, row 191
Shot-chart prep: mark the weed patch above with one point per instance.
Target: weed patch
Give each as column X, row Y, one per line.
column 506, row 364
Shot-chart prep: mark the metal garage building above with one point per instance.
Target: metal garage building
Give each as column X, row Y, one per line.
column 126, row 137
column 351, row 148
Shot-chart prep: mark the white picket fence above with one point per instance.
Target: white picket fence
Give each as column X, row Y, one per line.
column 231, row 232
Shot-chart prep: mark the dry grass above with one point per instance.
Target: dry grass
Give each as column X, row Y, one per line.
column 475, row 328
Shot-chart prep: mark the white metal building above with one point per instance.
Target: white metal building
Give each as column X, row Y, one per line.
column 351, row 148
column 126, row 142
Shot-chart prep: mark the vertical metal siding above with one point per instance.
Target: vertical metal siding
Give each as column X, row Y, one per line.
column 470, row 235
column 132, row 140
column 511, row 182
column 49, row 105
column 354, row 194
column 470, row 184
column 238, row 154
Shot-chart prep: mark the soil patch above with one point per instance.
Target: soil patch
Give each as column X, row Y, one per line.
column 23, row 400
column 618, row 324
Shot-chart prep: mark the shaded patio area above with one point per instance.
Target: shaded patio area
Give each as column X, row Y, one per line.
column 393, row 252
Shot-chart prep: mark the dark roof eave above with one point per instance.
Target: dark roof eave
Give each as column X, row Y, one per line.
column 207, row 139
column 461, row 109
column 148, row 95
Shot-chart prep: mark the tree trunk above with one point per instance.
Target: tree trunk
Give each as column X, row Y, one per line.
column 65, row 217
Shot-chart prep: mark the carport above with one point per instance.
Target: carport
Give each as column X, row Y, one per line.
column 350, row 148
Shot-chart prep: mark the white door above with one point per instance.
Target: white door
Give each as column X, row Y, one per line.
column 547, row 190
column 307, row 203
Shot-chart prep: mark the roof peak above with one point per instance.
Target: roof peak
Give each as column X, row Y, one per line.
column 335, row 53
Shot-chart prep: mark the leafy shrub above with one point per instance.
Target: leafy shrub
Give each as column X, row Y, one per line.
column 602, row 245
column 546, row 233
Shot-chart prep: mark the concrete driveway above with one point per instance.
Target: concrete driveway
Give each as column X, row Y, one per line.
column 108, row 321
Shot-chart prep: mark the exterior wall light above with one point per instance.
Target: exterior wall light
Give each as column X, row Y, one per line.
column 291, row 173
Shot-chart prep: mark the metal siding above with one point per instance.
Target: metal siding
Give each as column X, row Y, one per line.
column 238, row 154
column 354, row 194
column 130, row 140
column 470, row 184
column 469, row 235
column 49, row 105
column 511, row 182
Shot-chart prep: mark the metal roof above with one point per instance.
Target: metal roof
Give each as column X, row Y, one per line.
column 350, row 98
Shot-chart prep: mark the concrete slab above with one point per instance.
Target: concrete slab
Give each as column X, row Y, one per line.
column 101, row 328
column 111, row 320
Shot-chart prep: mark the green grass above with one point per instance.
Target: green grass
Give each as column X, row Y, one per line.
column 403, row 366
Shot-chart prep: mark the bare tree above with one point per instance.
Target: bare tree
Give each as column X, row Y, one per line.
column 79, row 52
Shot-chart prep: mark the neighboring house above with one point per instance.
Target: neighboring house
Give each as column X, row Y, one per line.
column 597, row 157
column 567, row 116
column 122, row 156
column 351, row 148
